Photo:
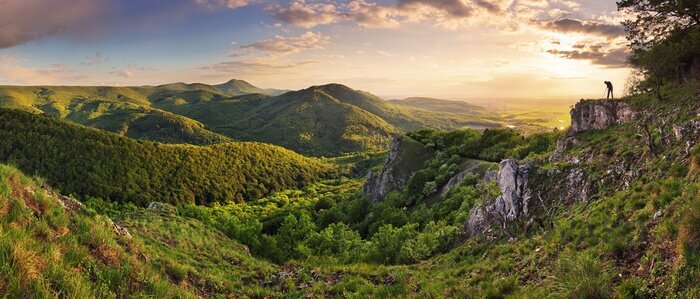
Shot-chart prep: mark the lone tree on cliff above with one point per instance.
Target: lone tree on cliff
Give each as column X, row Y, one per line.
column 664, row 39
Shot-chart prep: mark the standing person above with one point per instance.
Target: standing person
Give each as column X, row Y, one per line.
column 609, row 91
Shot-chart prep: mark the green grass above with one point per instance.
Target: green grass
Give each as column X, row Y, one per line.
column 48, row 251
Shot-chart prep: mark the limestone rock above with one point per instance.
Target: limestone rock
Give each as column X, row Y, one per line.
column 511, row 205
column 595, row 115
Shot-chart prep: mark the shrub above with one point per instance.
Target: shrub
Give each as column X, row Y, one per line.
column 582, row 276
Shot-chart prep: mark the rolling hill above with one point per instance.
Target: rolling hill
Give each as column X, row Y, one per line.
column 330, row 119
column 94, row 163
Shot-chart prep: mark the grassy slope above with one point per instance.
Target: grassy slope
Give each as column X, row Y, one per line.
column 47, row 250
column 196, row 257
column 89, row 162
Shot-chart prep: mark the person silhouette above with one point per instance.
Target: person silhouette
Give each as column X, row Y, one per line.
column 609, row 90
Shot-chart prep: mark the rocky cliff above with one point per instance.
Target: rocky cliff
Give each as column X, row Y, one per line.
column 404, row 158
column 593, row 115
column 512, row 204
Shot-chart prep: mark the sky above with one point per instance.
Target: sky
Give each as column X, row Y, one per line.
column 457, row 49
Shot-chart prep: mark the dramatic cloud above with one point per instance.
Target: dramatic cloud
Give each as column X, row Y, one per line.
column 596, row 54
column 588, row 27
column 281, row 45
column 26, row 20
column 367, row 14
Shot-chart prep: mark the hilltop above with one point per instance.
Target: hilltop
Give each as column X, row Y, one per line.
column 240, row 87
column 330, row 119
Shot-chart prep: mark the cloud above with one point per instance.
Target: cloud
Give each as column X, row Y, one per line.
column 445, row 13
column 596, row 54
column 454, row 8
column 280, row 45
column 588, row 27
column 308, row 15
column 232, row 4
column 11, row 71
column 27, row 20
column 127, row 74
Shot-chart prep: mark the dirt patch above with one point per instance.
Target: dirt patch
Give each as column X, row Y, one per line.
column 106, row 254
column 25, row 194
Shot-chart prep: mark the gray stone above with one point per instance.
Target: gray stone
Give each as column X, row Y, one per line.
column 511, row 205
column 595, row 115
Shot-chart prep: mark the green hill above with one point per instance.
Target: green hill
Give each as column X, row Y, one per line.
column 308, row 121
column 122, row 110
column 407, row 118
column 89, row 162
column 240, row 87
column 322, row 120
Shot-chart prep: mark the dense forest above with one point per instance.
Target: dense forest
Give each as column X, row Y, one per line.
column 88, row 162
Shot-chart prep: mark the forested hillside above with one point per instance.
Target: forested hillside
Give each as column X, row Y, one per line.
column 89, row 162
column 322, row 120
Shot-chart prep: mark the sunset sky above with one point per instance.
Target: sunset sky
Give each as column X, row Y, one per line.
column 460, row 49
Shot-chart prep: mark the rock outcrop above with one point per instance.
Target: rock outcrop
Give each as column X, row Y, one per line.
column 591, row 115
column 404, row 158
column 595, row 115
column 511, row 205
